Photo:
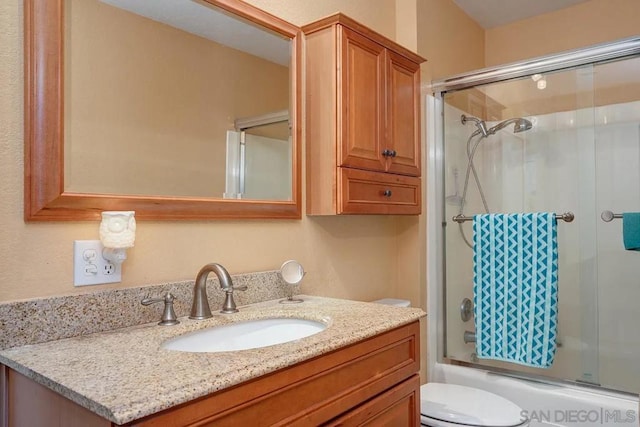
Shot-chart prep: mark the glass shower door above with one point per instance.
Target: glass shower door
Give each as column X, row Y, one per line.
column 563, row 141
column 549, row 167
column 617, row 115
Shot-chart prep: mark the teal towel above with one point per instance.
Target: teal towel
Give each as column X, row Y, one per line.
column 515, row 287
column 631, row 231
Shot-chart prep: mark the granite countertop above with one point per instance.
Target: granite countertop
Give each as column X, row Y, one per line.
column 123, row 374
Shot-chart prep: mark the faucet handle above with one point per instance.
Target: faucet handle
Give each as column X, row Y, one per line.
column 168, row 314
column 229, row 305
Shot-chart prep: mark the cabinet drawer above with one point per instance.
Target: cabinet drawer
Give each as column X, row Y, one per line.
column 398, row 406
column 363, row 192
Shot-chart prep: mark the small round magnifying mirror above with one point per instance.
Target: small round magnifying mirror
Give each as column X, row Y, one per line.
column 292, row 273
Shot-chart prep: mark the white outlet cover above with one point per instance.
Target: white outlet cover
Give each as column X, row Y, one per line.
column 90, row 267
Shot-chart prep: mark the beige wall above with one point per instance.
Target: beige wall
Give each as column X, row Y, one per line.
column 377, row 14
column 156, row 123
column 435, row 29
column 592, row 22
column 352, row 257
column 451, row 41
column 360, row 257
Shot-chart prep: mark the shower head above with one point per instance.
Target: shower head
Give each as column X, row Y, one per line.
column 519, row 125
column 522, row 125
column 482, row 126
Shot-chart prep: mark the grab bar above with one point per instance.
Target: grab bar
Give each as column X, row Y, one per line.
column 471, row 337
column 566, row 217
column 608, row 216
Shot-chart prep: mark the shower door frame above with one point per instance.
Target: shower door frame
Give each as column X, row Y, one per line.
column 436, row 221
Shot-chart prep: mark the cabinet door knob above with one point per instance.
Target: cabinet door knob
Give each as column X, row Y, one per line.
column 393, row 153
column 386, row 193
column 386, row 152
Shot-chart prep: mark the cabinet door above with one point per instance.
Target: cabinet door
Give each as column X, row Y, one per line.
column 403, row 115
column 399, row 406
column 361, row 108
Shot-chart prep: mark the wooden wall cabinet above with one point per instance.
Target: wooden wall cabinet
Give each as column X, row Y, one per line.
column 363, row 121
column 372, row 382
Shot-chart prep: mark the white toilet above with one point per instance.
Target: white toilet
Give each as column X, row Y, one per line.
column 451, row 405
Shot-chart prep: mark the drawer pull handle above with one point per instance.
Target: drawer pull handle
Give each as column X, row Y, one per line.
column 387, row 193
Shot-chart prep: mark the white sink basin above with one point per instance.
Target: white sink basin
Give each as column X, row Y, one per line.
column 245, row 335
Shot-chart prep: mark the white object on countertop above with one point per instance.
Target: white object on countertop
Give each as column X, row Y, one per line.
column 393, row 301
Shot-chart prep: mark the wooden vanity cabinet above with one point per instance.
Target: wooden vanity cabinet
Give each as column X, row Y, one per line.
column 363, row 113
column 372, row 382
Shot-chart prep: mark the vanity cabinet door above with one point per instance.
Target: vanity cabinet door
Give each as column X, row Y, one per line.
column 361, row 102
column 399, row 406
column 26, row 403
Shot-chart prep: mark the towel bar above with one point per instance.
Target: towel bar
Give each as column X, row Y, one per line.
column 608, row 216
column 566, row 217
column 471, row 337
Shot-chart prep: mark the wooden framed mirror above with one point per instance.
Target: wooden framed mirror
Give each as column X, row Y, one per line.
column 48, row 196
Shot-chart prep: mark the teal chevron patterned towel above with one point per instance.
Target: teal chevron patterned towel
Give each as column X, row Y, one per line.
column 631, row 231
column 515, row 287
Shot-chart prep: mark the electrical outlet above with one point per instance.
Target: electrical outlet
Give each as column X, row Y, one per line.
column 90, row 267
column 109, row 269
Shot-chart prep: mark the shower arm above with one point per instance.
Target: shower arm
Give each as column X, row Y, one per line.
column 480, row 124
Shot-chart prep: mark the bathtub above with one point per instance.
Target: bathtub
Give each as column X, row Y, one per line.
column 547, row 404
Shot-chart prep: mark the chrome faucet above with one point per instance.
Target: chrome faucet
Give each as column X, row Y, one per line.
column 200, row 308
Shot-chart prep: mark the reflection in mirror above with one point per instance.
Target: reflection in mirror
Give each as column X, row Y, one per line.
column 153, row 94
column 259, row 158
column 159, row 150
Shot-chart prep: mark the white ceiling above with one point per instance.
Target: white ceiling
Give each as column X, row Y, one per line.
column 212, row 24
column 493, row 13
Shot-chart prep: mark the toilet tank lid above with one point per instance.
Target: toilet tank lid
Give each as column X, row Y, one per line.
column 393, row 301
column 468, row 406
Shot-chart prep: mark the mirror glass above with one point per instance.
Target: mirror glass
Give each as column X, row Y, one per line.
column 175, row 98
column 292, row 272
